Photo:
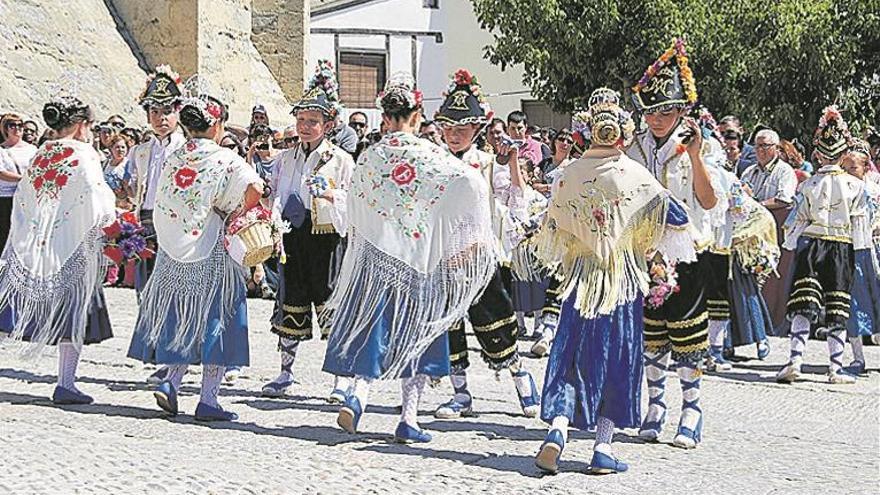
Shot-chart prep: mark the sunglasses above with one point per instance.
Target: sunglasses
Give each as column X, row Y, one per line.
column 290, row 141
column 14, row 125
column 230, row 146
column 565, row 140
column 357, row 124
column 263, row 146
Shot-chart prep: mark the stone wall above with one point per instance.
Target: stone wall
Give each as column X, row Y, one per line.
column 43, row 40
column 214, row 38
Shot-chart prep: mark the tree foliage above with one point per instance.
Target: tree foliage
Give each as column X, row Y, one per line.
column 777, row 63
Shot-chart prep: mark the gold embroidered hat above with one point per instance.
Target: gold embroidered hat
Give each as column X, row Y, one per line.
column 667, row 83
column 163, row 88
column 832, row 138
column 322, row 93
column 464, row 102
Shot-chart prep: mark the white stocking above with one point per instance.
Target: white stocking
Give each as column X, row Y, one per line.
column 411, row 391
column 68, row 360
column 212, row 375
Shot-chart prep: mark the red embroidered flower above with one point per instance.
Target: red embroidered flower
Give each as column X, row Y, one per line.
column 599, row 216
column 61, row 180
column 416, row 235
column 185, row 177
column 191, row 146
column 74, row 163
column 58, row 155
column 394, row 142
column 403, row 174
column 475, row 165
column 41, row 161
column 38, row 182
column 50, row 175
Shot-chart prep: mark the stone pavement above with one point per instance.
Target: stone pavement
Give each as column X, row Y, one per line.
column 759, row 437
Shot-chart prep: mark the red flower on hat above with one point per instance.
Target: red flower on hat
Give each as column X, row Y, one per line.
column 463, row 77
column 114, row 253
column 113, row 230
column 214, row 110
column 185, row 177
column 129, row 217
column 403, row 174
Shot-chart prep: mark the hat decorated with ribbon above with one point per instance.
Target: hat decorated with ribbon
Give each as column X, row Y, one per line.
column 832, row 138
column 322, row 92
column 464, row 102
column 163, row 88
column 667, row 83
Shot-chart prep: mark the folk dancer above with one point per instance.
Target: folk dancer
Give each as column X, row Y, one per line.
column 864, row 318
column 53, row 267
column 462, row 115
column 607, row 213
column 831, row 214
column 420, row 252
column 308, row 187
column 672, row 148
column 194, row 309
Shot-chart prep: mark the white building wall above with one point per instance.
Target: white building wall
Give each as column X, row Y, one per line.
column 462, row 46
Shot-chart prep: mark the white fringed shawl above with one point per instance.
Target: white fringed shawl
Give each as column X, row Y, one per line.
column 53, row 262
column 420, row 239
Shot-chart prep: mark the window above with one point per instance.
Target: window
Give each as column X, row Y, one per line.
column 361, row 77
column 431, row 4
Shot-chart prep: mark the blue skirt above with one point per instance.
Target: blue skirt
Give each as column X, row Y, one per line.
column 865, row 304
column 750, row 320
column 224, row 345
column 98, row 327
column 595, row 367
column 365, row 356
column 529, row 296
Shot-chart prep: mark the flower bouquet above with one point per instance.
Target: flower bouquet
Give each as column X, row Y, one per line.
column 254, row 236
column 664, row 282
column 125, row 240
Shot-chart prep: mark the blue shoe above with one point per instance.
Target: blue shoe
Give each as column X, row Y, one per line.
column 276, row 388
column 407, row 434
column 606, row 464
column 455, row 409
column 687, row 438
column 166, row 398
column 337, row 396
column 205, row 412
column 716, row 361
column 763, row 349
column 531, row 404
column 158, row 376
column 350, row 414
column 63, row 396
column 547, row 459
column 856, row 367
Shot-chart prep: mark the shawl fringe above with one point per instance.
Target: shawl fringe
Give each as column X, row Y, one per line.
column 40, row 304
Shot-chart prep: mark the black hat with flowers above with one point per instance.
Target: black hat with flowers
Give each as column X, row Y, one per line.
column 667, row 83
column 832, row 137
column 322, row 93
column 163, row 88
column 464, row 102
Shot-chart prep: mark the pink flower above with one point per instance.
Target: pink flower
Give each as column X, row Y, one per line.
column 599, row 216
column 403, row 174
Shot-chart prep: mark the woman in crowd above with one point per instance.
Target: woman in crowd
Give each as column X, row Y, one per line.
column 50, row 280
column 193, row 310
column 560, row 147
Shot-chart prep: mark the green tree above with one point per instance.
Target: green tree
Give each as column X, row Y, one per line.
column 777, row 63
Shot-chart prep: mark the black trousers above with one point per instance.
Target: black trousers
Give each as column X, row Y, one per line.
column 823, row 275
column 5, row 220
column 494, row 326
column 305, row 282
column 681, row 324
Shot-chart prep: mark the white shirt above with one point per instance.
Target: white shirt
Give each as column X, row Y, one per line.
column 291, row 171
column 160, row 150
column 17, row 157
column 7, row 188
column 775, row 181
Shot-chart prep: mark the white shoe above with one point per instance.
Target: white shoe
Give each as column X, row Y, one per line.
column 840, row 377
column 232, row 374
column 789, row 373
column 541, row 347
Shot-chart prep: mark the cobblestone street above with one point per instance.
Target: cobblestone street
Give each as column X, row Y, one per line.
column 760, row 437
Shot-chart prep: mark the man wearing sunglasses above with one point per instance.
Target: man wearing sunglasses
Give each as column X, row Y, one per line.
column 29, row 133
column 358, row 121
column 771, row 180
